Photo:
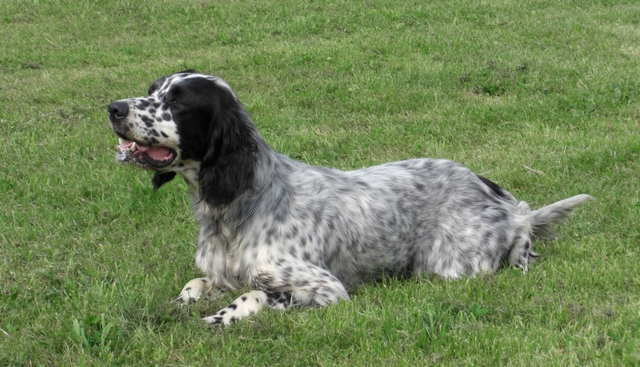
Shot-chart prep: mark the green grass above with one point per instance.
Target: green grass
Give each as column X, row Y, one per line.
column 542, row 97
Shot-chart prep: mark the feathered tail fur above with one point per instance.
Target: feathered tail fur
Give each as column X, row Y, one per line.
column 544, row 218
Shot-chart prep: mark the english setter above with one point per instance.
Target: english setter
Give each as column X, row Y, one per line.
column 303, row 235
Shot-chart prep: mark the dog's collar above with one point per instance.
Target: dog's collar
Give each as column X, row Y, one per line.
column 256, row 204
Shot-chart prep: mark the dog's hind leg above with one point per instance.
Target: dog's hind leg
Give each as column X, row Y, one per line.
column 538, row 224
column 522, row 248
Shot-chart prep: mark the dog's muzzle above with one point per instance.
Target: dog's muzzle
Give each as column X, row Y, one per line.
column 118, row 111
column 133, row 150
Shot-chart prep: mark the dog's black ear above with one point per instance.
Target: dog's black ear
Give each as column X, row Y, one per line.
column 161, row 178
column 228, row 167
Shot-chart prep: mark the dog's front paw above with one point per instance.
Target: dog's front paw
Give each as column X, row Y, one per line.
column 196, row 289
column 246, row 305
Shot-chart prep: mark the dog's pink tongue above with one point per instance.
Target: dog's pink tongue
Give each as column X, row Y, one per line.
column 157, row 153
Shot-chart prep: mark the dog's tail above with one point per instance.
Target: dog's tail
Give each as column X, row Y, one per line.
column 543, row 219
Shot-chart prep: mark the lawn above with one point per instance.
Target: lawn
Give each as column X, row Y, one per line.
column 542, row 97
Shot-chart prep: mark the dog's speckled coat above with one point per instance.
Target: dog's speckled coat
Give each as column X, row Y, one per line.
column 305, row 235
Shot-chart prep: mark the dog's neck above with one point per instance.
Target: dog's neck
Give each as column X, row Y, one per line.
column 189, row 171
column 233, row 213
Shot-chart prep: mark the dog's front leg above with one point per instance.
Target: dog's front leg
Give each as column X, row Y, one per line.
column 196, row 289
column 287, row 284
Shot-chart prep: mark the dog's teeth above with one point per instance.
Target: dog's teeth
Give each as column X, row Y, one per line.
column 133, row 147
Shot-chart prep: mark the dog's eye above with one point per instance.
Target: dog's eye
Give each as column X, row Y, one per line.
column 175, row 102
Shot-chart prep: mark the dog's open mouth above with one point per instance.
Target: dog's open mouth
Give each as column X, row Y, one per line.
column 145, row 156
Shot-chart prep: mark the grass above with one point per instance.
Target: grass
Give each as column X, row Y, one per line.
column 540, row 96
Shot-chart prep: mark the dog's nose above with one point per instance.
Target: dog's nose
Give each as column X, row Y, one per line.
column 118, row 110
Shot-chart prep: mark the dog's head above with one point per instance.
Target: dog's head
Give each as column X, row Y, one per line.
column 193, row 122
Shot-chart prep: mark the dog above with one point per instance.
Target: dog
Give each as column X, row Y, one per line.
column 301, row 235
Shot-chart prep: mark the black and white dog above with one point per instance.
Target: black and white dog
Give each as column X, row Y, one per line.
column 303, row 235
